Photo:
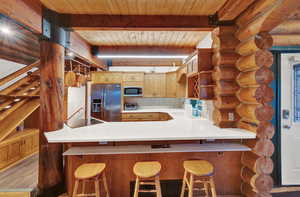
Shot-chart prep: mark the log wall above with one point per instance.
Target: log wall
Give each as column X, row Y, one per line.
column 224, row 75
column 254, row 95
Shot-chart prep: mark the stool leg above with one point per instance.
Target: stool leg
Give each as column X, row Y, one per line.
column 206, row 189
column 83, row 186
column 191, row 186
column 97, row 188
column 157, row 186
column 136, row 189
column 105, row 184
column 75, row 188
column 212, row 187
column 183, row 184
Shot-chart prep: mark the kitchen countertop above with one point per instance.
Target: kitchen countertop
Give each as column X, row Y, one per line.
column 180, row 127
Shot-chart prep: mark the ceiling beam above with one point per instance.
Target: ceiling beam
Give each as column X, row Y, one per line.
column 287, row 27
column 137, row 22
column 232, row 9
column 145, row 50
column 280, row 14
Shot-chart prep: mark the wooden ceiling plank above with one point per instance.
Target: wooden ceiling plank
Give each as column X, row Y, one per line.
column 280, row 14
column 233, row 8
column 138, row 22
column 136, row 7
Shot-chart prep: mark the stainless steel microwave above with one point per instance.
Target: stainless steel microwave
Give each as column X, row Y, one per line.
column 133, row 91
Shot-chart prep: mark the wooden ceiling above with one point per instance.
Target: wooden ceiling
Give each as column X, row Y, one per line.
column 288, row 32
column 143, row 38
column 136, row 7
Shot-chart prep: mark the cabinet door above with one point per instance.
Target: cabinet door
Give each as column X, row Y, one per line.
column 171, row 85
column 160, row 85
column 133, row 76
column 149, row 85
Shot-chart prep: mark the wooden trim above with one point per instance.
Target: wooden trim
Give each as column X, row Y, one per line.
column 137, row 22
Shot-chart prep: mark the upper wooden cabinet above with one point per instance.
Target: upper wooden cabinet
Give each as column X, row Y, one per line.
column 155, row 85
column 133, row 76
column 106, row 77
column 171, row 85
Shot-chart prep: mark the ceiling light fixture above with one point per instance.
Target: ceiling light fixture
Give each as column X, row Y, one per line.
column 5, row 30
column 70, row 54
column 142, row 56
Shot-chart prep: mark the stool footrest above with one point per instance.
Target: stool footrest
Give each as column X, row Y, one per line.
column 92, row 194
column 147, row 191
column 147, row 183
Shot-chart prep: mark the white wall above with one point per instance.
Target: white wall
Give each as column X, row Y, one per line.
column 206, row 42
column 159, row 69
column 8, row 67
column 76, row 100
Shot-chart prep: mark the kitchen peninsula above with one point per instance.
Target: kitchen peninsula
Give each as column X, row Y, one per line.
column 121, row 144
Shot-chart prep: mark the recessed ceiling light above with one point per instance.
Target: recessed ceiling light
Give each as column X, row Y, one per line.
column 8, row 106
column 5, row 30
column 143, row 56
column 17, row 100
column 70, row 54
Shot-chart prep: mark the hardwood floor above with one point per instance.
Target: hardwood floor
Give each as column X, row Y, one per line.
column 22, row 175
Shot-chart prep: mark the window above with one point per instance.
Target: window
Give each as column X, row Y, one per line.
column 297, row 93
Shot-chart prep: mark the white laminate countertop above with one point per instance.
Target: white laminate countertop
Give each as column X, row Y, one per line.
column 180, row 127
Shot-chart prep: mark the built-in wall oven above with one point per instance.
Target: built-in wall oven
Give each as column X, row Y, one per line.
column 133, row 91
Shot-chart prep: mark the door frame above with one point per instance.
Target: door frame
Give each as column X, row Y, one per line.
column 276, row 103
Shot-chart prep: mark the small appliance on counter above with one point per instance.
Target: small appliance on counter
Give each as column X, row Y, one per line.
column 130, row 106
column 133, row 91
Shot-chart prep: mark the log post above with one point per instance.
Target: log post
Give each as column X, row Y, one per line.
column 51, row 117
column 255, row 94
column 224, row 75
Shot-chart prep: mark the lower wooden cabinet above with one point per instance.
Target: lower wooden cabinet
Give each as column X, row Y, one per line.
column 18, row 147
column 147, row 116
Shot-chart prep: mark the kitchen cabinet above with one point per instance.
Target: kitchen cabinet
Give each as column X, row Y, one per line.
column 106, row 77
column 133, row 76
column 155, row 85
column 171, row 85
column 18, row 147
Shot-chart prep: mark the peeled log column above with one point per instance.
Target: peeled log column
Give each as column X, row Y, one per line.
column 248, row 191
column 225, row 118
column 226, row 102
column 51, row 115
column 261, row 41
column 255, row 112
column 259, row 165
column 262, row 129
column 260, row 182
column 224, row 88
column 228, row 42
column 224, row 58
column 258, row 59
column 225, row 73
column 255, row 78
column 255, row 95
column 261, row 147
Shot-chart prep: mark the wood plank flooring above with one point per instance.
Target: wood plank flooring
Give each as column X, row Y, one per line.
column 22, row 175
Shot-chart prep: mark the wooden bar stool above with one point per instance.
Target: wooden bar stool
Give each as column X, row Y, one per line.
column 204, row 171
column 146, row 170
column 90, row 171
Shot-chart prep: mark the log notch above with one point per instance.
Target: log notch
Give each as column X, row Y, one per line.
column 224, row 75
column 51, row 113
column 255, row 94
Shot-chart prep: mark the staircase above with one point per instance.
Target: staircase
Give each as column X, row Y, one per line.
column 17, row 102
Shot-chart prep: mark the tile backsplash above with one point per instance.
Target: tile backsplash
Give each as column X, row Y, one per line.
column 156, row 102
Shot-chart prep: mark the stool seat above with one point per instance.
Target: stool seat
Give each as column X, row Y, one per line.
column 147, row 169
column 199, row 167
column 89, row 170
